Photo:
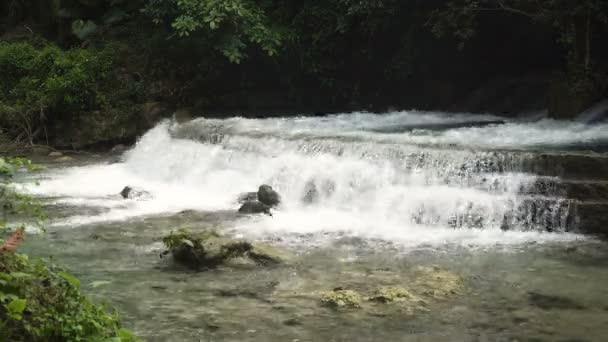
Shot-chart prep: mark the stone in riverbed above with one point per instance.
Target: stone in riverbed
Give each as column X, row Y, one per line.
column 209, row 250
column 247, row 197
column 268, row 196
column 392, row 294
column 64, row 159
column 134, row 193
column 254, row 207
column 436, row 283
column 55, row 154
column 550, row 302
column 342, row 298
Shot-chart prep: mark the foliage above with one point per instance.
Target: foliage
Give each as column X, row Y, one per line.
column 43, row 84
column 233, row 25
column 42, row 303
column 568, row 18
column 39, row 302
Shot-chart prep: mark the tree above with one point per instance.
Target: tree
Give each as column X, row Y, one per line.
column 232, row 25
column 573, row 21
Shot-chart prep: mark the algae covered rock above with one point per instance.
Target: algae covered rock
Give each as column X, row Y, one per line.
column 342, row 298
column 392, row 294
column 437, row 283
column 209, row 249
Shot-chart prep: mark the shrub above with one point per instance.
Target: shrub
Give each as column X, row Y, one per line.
column 40, row 302
column 39, row 85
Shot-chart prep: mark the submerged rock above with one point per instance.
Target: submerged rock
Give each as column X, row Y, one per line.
column 393, row 294
column 134, row 193
column 341, row 298
column 437, row 283
column 311, row 193
column 247, row 197
column 209, row 250
column 64, row 159
column 549, row 302
column 55, row 154
column 254, row 207
column 268, row 196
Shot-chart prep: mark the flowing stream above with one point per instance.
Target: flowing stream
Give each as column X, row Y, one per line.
column 366, row 199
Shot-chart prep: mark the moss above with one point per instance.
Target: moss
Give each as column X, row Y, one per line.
column 437, row 283
column 208, row 249
column 341, row 298
column 391, row 294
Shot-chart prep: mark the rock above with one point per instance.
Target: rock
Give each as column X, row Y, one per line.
column 393, row 294
column 437, row 283
column 549, row 302
column 64, row 159
column 254, row 207
column 292, row 322
column 120, row 148
column 311, row 193
column 183, row 115
column 151, row 113
column 55, row 154
column 209, row 250
column 267, row 255
column 268, row 196
column 341, row 298
column 134, row 193
column 247, row 197
column 40, row 150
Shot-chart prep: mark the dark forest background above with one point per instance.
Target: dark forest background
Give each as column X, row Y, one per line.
column 79, row 72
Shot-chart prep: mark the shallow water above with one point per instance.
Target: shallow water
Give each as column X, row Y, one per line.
column 441, row 191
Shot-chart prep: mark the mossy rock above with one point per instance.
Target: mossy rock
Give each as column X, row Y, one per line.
column 392, row 294
column 209, row 249
column 342, row 298
column 437, row 283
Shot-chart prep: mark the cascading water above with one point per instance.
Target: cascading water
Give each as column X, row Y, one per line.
column 408, row 177
column 408, row 200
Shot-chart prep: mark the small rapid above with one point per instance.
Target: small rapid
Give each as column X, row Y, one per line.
column 411, row 178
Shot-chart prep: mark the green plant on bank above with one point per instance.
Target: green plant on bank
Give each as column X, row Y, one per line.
column 45, row 84
column 39, row 301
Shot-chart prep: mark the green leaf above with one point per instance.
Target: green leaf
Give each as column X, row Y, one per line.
column 70, row 278
column 15, row 308
column 20, row 275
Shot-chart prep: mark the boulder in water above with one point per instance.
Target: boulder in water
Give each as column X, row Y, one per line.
column 437, row 283
column 340, row 298
column 392, row 294
column 254, row 207
column 208, row 249
column 247, row 197
column 120, row 148
column 55, row 154
column 64, row 159
column 134, row 193
column 268, row 196
column 311, row 193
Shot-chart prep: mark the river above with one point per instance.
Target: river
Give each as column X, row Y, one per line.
column 367, row 200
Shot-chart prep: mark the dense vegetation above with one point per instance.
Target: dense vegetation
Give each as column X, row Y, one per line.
column 96, row 62
column 38, row 301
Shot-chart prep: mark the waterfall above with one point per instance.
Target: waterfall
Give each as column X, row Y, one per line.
column 437, row 178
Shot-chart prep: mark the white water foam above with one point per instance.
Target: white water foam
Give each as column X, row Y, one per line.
column 358, row 190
